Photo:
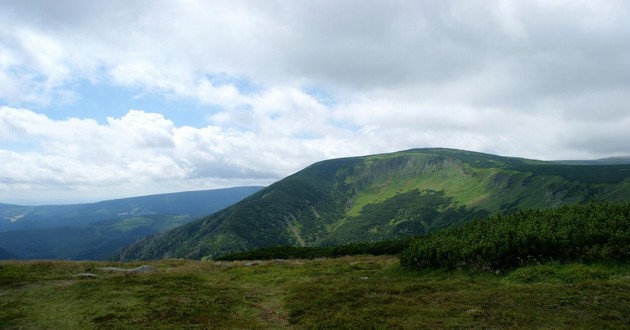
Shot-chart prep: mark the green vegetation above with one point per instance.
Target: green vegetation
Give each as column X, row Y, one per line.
column 358, row 292
column 560, row 268
column 578, row 233
column 385, row 197
column 411, row 213
column 390, row 247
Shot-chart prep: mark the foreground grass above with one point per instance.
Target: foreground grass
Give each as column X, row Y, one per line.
column 353, row 292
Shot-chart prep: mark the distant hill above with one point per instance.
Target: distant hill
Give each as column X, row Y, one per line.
column 372, row 198
column 603, row 161
column 192, row 203
column 96, row 231
column 6, row 255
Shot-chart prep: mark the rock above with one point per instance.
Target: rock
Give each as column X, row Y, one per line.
column 143, row 269
column 137, row 270
column 84, row 275
column 253, row 263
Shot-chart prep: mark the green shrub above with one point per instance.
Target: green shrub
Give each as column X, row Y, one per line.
column 578, row 233
column 390, row 247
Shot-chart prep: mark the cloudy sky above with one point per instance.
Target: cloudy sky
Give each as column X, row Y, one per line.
column 106, row 99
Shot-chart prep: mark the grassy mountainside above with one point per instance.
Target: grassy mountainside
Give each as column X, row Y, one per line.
column 464, row 277
column 96, row 231
column 358, row 292
column 372, row 198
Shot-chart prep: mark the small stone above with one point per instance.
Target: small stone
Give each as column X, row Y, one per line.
column 142, row 269
column 137, row 270
column 84, row 275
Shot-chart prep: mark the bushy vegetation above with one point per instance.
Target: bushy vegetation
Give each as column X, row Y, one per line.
column 596, row 232
column 390, row 247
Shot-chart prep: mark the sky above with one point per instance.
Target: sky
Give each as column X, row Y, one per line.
column 110, row 99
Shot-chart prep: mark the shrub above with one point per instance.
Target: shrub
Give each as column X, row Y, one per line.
column 577, row 233
column 390, row 247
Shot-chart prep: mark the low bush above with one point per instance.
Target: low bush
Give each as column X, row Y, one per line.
column 577, row 233
column 390, row 247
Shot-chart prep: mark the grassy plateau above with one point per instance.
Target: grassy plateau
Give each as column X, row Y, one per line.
column 358, row 292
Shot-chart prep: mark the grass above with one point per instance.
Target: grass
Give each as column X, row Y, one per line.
column 362, row 292
column 468, row 186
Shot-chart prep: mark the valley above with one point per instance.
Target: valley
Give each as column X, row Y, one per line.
column 95, row 231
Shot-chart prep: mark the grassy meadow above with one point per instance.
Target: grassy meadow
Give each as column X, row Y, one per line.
column 359, row 292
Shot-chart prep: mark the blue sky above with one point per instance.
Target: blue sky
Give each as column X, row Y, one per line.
column 112, row 99
column 99, row 101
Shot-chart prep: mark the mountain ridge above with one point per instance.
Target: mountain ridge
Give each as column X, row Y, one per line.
column 385, row 196
column 97, row 230
column 203, row 202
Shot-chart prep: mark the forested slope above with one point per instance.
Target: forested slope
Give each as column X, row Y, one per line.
column 387, row 196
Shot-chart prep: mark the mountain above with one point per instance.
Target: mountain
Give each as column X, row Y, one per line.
column 385, row 196
column 96, row 231
column 6, row 255
column 192, row 203
column 603, row 161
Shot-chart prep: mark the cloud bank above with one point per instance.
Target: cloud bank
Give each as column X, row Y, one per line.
column 284, row 84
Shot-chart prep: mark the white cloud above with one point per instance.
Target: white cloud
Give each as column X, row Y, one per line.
column 289, row 83
column 142, row 149
column 525, row 49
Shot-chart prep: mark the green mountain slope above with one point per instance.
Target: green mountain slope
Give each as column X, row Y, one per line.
column 96, row 231
column 385, row 196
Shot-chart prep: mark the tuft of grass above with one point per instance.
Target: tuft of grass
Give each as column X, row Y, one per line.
column 555, row 272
